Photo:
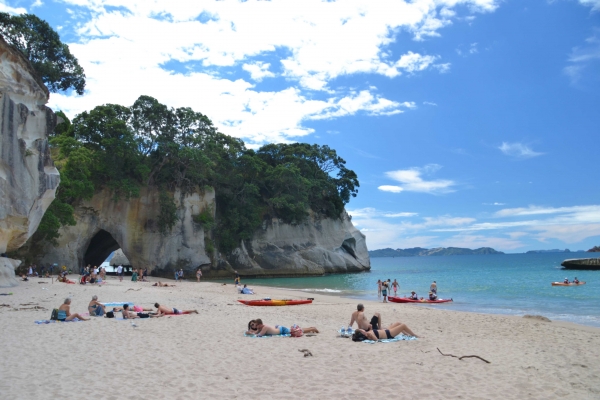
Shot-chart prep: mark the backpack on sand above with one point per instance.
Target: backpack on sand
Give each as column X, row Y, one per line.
column 54, row 315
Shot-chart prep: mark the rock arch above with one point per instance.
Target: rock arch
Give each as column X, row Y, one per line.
column 100, row 247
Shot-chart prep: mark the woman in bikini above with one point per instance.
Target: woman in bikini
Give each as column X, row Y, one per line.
column 376, row 334
column 64, row 312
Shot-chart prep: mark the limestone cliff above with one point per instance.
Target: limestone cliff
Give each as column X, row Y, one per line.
column 28, row 178
column 103, row 225
column 315, row 247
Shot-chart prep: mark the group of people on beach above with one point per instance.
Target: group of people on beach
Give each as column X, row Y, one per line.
column 373, row 329
column 97, row 309
column 385, row 287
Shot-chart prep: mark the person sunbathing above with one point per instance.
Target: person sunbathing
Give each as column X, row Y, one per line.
column 64, row 312
column 164, row 310
column 376, row 334
column 160, row 284
column 360, row 318
column 270, row 330
column 252, row 330
column 132, row 315
column 246, row 290
column 96, row 308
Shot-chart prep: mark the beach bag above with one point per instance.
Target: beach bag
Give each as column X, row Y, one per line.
column 54, row 315
column 296, row 331
column 110, row 314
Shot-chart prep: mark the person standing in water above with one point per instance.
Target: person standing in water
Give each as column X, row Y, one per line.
column 433, row 287
column 396, row 286
column 379, row 288
column 384, row 291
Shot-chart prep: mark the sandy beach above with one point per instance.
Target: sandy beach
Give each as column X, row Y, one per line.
column 207, row 356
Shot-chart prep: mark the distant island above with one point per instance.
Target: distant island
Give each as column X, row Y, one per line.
column 439, row 251
column 554, row 251
column 595, row 249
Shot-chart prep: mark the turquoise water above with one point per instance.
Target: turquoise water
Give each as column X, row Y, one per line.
column 515, row 284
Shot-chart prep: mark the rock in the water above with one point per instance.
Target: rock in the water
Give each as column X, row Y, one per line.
column 28, row 178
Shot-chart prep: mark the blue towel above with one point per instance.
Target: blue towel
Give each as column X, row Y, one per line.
column 396, row 339
column 51, row 321
column 266, row 336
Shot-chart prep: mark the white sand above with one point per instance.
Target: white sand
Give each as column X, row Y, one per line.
column 206, row 355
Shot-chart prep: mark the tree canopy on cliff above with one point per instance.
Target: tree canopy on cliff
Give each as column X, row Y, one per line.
column 42, row 46
column 149, row 144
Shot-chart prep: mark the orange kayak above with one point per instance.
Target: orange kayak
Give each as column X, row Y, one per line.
column 567, row 284
column 274, row 302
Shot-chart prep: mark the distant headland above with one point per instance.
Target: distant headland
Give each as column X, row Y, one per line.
column 555, row 251
column 439, row 251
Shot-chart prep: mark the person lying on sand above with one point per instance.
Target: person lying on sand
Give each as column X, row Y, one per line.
column 252, row 330
column 360, row 318
column 132, row 315
column 376, row 334
column 246, row 290
column 64, row 312
column 160, row 284
column 164, row 310
column 270, row 330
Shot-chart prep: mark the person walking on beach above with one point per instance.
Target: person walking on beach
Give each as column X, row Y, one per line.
column 181, row 274
column 198, row 274
column 120, row 272
column 384, row 291
column 433, row 287
column 395, row 285
column 359, row 317
column 236, row 281
column 379, row 288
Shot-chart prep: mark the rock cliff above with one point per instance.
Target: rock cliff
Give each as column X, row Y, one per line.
column 28, row 178
column 103, row 225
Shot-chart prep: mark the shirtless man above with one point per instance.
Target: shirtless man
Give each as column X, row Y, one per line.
column 132, row 315
column 164, row 310
column 359, row 317
column 269, row 330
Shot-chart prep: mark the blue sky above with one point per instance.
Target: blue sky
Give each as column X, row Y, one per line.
column 470, row 123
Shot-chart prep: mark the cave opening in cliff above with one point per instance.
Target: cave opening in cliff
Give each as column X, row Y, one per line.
column 100, row 247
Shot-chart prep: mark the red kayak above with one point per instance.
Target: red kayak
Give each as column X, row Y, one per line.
column 274, row 302
column 567, row 284
column 394, row 299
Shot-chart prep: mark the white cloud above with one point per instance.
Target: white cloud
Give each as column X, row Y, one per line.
column 126, row 47
column 413, row 182
column 390, row 188
column 584, row 57
column 476, row 241
column 518, row 150
column 401, row 214
column 595, row 4
column 11, row 10
column 258, row 70
column 494, row 204
column 429, row 103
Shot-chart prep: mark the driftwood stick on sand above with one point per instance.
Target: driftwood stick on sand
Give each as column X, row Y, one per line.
column 306, row 352
column 135, row 290
column 460, row 358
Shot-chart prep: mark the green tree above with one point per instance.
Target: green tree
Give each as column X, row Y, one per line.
column 42, row 46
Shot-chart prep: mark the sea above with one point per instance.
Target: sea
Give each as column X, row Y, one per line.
column 511, row 284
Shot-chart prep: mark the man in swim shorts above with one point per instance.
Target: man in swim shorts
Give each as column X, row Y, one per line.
column 270, row 330
column 164, row 310
column 359, row 317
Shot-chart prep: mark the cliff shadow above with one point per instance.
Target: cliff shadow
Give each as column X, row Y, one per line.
column 101, row 246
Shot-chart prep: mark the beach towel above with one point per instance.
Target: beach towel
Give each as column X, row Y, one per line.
column 396, row 339
column 51, row 321
column 266, row 336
